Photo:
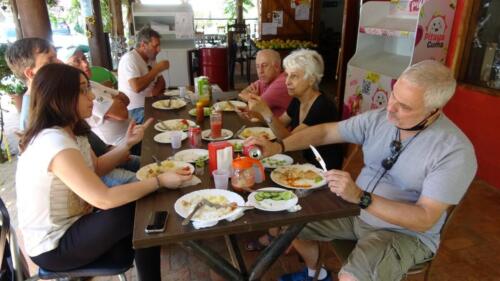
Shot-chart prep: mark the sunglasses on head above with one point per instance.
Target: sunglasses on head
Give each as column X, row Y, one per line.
column 388, row 162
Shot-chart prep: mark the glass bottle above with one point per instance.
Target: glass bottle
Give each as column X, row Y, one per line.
column 200, row 114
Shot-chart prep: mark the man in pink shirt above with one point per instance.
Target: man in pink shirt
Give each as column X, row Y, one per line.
column 271, row 85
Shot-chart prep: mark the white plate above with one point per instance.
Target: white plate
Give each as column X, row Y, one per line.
column 206, row 110
column 225, row 134
column 186, row 203
column 176, row 92
column 257, row 132
column 309, row 177
column 272, row 205
column 151, row 170
column 191, row 155
column 165, row 137
column 276, row 161
column 237, row 144
column 173, row 104
column 226, row 106
column 174, row 125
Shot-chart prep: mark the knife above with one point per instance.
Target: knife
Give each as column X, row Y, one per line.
column 318, row 158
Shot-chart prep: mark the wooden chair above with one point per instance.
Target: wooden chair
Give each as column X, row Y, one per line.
column 342, row 248
column 105, row 266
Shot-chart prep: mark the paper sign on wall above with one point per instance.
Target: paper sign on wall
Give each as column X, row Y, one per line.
column 302, row 12
column 184, row 26
column 278, row 18
column 269, row 28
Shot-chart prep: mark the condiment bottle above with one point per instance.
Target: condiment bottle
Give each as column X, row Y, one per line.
column 200, row 114
column 243, row 176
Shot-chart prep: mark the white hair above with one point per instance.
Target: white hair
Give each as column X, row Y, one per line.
column 309, row 61
column 436, row 79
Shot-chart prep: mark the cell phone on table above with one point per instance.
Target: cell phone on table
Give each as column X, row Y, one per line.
column 157, row 222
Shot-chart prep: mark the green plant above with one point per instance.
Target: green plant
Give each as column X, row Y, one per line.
column 230, row 7
column 9, row 84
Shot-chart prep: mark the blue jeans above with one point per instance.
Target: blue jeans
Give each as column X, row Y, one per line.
column 133, row 164
column 137, row 114
column 125, row 173
column 118, row 177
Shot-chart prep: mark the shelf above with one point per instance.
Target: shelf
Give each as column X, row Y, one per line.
column 154, row 14
column 177, row 44
column 391, row 26
column 382, row 62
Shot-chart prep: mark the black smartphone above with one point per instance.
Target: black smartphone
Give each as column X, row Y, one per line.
column 157, row 222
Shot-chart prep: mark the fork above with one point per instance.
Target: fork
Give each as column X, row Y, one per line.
column 161, row 125
column 196, row 208
column 240, row 130
column 231, row 105
column 158, row 162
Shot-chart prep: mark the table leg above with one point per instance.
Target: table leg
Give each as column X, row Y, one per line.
column 271, row 253
column 235, row 254
column 214, row 261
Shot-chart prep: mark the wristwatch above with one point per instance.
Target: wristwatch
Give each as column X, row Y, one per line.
column 365, row 200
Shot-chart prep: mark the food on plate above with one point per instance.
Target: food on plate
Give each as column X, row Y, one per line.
column 298, row 177
column 172, row 103
column 155, row 170
column 217, row 207
column 230, row 106
column 238, row 146
column 248, row 132
column 273, row 162
column 206, row 111
column 274, row 195
column 179, row 125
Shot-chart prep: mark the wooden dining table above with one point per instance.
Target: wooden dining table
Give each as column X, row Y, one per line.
column 317, row 205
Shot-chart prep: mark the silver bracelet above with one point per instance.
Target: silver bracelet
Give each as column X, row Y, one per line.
column 158, row 182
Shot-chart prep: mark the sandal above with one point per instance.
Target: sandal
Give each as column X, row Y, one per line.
column 256, row 245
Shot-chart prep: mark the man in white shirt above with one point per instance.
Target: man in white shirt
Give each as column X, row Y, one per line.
column 139, row 75
column 109, row 118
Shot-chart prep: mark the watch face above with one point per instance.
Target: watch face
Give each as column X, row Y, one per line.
column 365, row 200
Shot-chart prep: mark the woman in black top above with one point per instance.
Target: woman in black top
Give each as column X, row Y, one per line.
column 309, row 107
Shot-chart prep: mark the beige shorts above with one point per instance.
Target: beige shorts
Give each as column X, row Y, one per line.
column 379, row 254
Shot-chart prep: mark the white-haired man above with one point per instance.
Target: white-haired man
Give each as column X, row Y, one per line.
column 271, row 85
column 417, row 164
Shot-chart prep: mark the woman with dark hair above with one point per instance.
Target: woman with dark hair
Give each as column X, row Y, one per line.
column 58, row 186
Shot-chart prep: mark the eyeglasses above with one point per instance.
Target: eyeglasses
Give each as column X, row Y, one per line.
column 388, row 162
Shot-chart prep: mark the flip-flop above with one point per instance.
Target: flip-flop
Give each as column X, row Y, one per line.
column 256, row 245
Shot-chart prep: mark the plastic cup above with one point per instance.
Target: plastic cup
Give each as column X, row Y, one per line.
column 221, row 178
column 182, row 92
column 176, row 139
column 193, row 98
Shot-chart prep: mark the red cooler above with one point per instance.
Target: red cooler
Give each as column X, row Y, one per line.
column 214, row 65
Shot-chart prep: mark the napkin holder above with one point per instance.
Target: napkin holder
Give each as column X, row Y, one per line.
column 220, row 156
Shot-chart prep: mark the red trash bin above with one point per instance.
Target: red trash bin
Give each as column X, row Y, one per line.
column 214, row 65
